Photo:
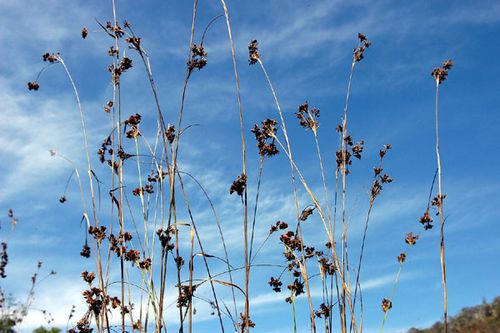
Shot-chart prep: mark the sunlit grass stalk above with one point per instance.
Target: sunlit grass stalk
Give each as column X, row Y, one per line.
column 392, row 296
column 173, row 169
column 161, row 133
column 200, row 244
column 90, row 175
column 289, row 150
column 117, row 93
column 328, row 209
column 244, row 167
column 373, row 196
column 323, row 220
column 219, row 228
column 259, row 178
column 323, row 177
column 344, row 199
column 441, row 216
column 141, row 194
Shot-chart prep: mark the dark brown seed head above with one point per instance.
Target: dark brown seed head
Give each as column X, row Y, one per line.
column 135, row 42
column 85, row 251
column 253, row 52
column 50, row 57
column 441, row 73
column 306, row 213
column 33, row 85
column 170, row 133
column 239, row 185
column 386, row 305
column 364, row 43
column 198, row 58
column 426, row 220
column 88, row 276
column 411, row 239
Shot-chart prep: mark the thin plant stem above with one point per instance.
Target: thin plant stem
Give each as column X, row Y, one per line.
column 363, row 242
column 289, row 153
column 441, row 215
column 221, row 234
column 244, row 168
column 392, row 296
column 261, row 164
column 344, row 204
column 200, row 244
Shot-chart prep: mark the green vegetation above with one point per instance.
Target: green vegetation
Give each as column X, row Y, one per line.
column 42, row 329
column 484, row 318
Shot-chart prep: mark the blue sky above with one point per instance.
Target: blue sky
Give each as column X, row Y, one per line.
column 307, row 49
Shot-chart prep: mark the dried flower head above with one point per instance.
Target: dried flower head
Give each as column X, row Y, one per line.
column 133, row 121
column 85, row 33
column 85, row 251
column 179, row 261
column 384, row 150
column 280, row 225
column 307, row 118
column 99, row 233
column 245, row 321
column 324, row 311
column 385, row 179
column 125, row 64
column 123, row 155
column 88, row 276
column 50, row 57
column 375, row 190
column 357, row 149
column 132, row 255
column 145, row 264
column 265, row 136
column 108, row 106
column 275, row 284
column 239, row 185
column 186, row 295
column 386, row 305
column 411, row 239
column 116, row 29
column 135, row 42
column 306, row 213
column 165, row 236
column 4, row 260
column 364, row 43
column 112, row 52
column 170, row 133
column 426, row 220
column 13, row 220
column 438, row 200
column 253, row 52
column 33, row 85
column 440, row 73
column 402, row 257
column 326, row 266
column 198, row 58
column 292, row 242
column 297, row 287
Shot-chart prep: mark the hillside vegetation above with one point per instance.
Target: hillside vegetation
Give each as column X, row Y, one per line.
column 484, row 318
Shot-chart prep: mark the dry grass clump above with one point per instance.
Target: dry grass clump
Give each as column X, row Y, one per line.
column 154, row 252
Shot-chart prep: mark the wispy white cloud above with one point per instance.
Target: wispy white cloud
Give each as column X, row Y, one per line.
column 26, row 138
